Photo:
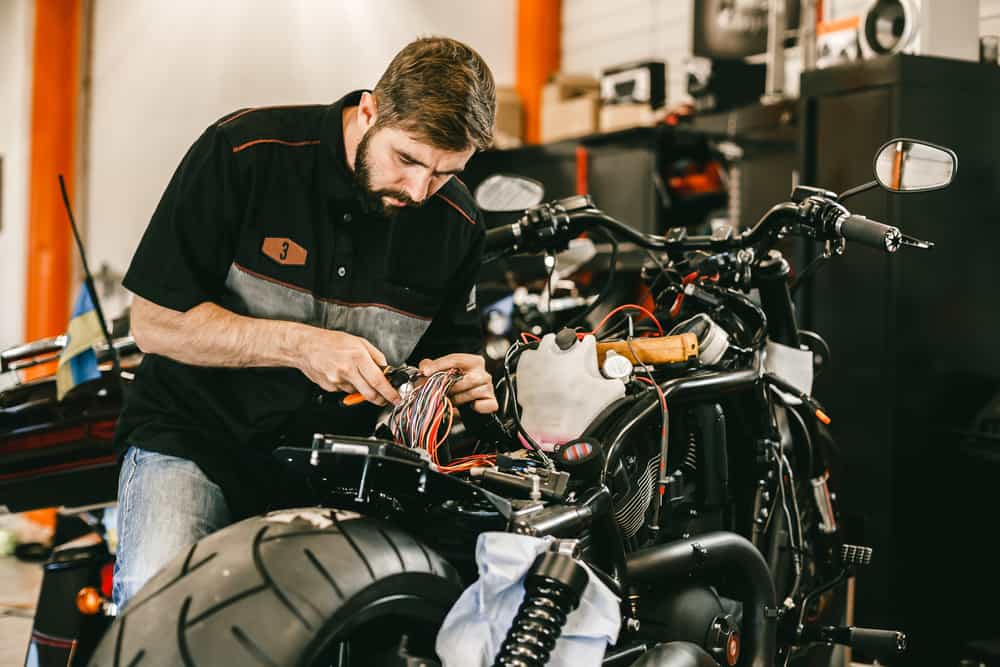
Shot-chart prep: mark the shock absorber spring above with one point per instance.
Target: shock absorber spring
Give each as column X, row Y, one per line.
column 552, row 590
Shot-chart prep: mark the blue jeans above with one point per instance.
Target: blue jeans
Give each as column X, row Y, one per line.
column 165, row 504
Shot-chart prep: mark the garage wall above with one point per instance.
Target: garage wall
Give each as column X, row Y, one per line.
column 598, row 34
column 989, row 17
column 16, row 25
column 164, row 71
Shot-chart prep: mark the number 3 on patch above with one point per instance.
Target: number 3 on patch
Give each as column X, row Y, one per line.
column 284, row 251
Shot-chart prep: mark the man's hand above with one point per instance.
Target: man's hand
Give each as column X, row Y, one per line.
column 338, row 361
column 476, row 385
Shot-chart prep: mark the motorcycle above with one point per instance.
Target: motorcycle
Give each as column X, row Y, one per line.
column 696, row 481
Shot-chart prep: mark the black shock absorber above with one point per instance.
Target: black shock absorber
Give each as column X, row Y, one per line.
column 552, row 590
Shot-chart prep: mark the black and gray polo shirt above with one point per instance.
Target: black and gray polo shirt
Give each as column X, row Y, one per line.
column 262, row 218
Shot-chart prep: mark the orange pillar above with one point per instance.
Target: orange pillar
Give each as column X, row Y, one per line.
column 55, row 87
column 54, row 94
column 539, row 31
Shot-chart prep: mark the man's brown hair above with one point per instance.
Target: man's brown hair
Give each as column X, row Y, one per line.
column 441, row 90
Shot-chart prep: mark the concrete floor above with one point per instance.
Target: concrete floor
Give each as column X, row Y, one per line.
column 19, row 584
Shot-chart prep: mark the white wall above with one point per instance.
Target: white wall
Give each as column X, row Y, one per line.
column 598, row 34
column 163, row 71
column 16, row 26
column 989, row 17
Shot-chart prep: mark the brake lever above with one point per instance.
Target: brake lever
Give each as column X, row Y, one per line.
column 916, row 243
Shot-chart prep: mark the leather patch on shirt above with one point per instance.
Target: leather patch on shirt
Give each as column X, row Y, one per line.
column 284, row 251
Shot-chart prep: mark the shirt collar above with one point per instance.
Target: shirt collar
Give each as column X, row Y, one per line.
column 338, row 177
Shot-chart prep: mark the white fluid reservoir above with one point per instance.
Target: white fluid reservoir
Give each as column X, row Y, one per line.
column 561, row 391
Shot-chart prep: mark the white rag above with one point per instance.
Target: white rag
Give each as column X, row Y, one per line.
column 478, row 623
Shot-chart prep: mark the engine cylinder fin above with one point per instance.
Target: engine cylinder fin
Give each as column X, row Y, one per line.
column 631, row 512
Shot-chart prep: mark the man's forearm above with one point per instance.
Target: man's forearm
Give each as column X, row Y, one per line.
column 210, row 335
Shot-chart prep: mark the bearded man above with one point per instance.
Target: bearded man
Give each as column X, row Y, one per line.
column 297, row 252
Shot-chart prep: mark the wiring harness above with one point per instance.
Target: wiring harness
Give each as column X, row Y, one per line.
column 423, row 420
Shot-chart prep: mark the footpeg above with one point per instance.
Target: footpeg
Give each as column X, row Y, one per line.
column 879, row 644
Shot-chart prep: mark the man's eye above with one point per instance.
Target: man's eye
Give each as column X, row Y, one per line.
column 406, row 160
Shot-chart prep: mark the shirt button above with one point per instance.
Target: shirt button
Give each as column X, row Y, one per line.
column 341, row 271
column 347, row 217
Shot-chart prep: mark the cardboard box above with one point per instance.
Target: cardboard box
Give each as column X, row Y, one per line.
column 570, row 106
column 509, row 132
column 570, row 118
column 622, row 116
column 563, row 86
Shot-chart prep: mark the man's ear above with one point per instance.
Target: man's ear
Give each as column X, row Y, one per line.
column 367, row 111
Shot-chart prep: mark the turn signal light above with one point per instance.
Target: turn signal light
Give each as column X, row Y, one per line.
column 89, row 601
column 733, row 650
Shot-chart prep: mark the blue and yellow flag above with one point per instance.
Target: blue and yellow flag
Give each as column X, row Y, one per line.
column 77, row 361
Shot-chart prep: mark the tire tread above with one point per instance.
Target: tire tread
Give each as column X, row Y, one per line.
column 210, row 596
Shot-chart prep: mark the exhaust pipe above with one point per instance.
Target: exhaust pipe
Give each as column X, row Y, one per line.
column 720, row 552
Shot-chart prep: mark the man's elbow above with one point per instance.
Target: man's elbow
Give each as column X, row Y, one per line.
column 146, row 325
column 138, row 329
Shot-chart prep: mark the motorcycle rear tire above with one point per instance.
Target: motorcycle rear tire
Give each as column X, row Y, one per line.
column 296, row 587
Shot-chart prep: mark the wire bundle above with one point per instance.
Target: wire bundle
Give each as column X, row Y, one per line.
column 423, row 420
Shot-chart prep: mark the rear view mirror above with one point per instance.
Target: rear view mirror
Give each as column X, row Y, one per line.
column 908, row 165
column 506, row 192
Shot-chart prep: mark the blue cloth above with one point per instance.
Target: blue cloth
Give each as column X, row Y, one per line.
column 478, row 623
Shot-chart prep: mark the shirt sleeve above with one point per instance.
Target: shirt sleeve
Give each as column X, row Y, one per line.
column 187, row 248
column 456, row 327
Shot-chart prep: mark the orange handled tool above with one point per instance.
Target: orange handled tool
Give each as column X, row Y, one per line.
column 398, row 377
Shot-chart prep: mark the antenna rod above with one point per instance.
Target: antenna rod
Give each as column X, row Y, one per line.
column 88, row 280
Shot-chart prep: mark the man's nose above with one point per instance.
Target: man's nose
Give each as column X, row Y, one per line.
column 419, row 185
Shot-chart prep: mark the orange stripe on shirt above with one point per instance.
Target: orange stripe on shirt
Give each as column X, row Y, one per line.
column 456, row 207
column 238, row 114
column 248, row 144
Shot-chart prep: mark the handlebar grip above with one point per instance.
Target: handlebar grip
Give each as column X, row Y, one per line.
column 870, row 233
column 877, row 643
column 506, row 237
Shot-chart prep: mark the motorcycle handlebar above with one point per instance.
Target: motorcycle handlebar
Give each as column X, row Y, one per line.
column 549, row 228
column 869, row 232
column 503, row 238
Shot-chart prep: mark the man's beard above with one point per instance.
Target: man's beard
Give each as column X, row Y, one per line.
column 371, row 200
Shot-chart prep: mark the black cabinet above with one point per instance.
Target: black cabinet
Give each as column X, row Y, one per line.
column 914, row 341
column 625, row 172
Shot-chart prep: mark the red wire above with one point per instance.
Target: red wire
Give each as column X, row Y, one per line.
column 525, row 335
column 675, row 309
column 663, row 428
column 663, row 399
column 623, row 307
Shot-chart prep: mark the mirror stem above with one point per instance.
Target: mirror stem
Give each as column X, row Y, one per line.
column 856, row 190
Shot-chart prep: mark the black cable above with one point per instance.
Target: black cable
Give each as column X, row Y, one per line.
column 619, row 330
column 656, row 260
column 745, row 301
column 512, row 354
column 806, row 436
column 608, row 285
column 808, row 271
